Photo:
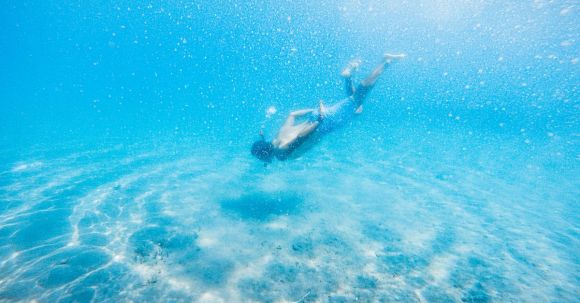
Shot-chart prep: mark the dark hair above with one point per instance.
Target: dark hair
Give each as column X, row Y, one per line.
column 263, row 150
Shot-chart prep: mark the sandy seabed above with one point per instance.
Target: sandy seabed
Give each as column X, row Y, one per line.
column 451, row 224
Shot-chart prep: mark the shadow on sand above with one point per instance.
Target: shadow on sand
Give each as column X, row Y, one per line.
column 263, row 206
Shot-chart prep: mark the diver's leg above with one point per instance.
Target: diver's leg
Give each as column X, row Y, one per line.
column 388, row 59
column 368, row 83
column 347, row 75
column 365, row 86
column 348, row 86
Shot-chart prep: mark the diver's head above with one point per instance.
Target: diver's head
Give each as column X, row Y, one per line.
column 263, row 150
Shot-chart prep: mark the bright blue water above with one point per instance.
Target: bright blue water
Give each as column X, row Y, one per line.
column 125, row 172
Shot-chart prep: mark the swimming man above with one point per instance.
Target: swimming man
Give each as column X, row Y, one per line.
column 294, row 133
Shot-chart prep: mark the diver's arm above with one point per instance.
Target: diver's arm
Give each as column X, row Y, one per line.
column 302, row 112
column 295, row 114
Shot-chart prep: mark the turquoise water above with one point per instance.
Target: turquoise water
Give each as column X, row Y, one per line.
column 126, row 173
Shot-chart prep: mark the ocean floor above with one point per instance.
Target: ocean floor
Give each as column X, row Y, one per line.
column 448, row 221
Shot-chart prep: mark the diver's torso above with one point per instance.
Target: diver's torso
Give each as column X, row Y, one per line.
column 335, row 116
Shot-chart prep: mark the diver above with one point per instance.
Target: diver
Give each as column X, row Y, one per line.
column 301, row 125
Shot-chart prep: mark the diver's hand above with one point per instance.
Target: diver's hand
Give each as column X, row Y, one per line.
column 321, row 110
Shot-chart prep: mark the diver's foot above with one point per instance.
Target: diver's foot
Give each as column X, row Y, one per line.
column 353, row 65
column 392, row 57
